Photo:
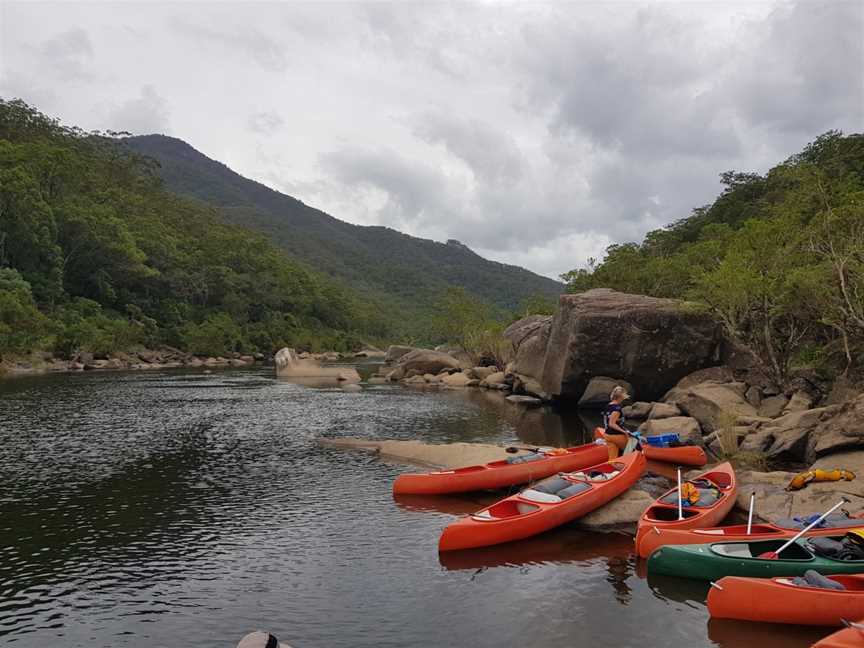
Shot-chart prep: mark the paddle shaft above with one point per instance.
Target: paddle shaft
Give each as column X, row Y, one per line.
column 680, row 495
column 750, row 514
column 811, row 525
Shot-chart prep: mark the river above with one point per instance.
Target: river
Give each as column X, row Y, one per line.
column 182, row 510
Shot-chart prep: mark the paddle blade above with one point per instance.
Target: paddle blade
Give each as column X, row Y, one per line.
column 769, row 555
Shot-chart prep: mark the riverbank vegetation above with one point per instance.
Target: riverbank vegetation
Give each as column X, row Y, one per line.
column 778, row 258
column 96, row 256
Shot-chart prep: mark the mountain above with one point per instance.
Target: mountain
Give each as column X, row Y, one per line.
column 403, row 274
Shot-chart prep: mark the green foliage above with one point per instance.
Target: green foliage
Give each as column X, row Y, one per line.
column 779, row 258
column 471, row 324
column 96, row 256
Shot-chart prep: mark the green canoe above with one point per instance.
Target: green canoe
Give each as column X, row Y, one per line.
column 718, row 559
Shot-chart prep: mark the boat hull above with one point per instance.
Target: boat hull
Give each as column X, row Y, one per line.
column 507, row 523
column 498, row 474
column 704, row 562
column 845, row 638
column 660, row 516
column 776, row 600
column 681, row 456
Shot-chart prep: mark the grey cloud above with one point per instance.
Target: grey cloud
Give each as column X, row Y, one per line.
column 147, row 113
column 68, row 54
column 265, row 122
column 250, row 41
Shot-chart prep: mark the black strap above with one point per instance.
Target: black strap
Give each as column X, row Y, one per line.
column 272, row 642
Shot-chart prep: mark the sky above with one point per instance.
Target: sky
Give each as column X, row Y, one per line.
column 536, row 133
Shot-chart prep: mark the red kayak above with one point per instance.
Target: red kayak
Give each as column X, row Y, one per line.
column 685, row 455
column 851, row 637
column 717, row 490
column 499, row 474
column 779, row 530
column 787, row 600
column 545, row 505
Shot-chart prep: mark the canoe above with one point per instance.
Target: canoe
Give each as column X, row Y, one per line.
column 498, row 474
column 779, row 530
column 778, row 600
column 851, row 637
column 685, row 455
column 539, row 508
column 715, row 560
column 719, row 489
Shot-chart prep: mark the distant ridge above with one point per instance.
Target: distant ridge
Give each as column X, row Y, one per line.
column 399, row 271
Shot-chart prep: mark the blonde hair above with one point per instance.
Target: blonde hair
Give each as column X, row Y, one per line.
column 619, row 392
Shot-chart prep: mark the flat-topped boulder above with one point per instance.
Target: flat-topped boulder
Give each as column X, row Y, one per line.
column 290, row 365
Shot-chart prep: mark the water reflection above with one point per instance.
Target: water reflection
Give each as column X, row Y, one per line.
column 727, row 633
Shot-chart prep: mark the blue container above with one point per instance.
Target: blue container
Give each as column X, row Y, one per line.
column 662, row 440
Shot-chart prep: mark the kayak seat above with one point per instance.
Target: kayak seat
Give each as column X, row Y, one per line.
column 573, row 489
column 831, row 522
column 539, row 496
column 534, row 456
column 826, row 547
column 552, row 485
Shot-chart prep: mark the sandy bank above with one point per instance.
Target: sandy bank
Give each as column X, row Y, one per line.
column 450, row 455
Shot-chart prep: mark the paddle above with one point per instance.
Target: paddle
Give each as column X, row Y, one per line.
column 680, row 495
column 515, row 449
column 750, row 514
column 774, row 555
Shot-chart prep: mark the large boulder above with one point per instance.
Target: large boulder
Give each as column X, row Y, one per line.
column 396, row 351
column 721, row 374
column 423, row 361
column 842, row 430
column 596, row 394
column 708, row 402
column 773, row 406
column 638, row 410
column 792, row 437
column 663, row 411
column 529, row 337
column 654, row 342
column 686, row 427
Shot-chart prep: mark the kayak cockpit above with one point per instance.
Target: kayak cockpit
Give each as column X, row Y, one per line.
column 668, row 513
column 504, row 509
column 756, row 549
column 720, row 479
column 740, row 529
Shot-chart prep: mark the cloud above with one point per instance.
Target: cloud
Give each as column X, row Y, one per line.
column 67, row 55
column 265, row 122
column 142, row 115
column 255, row 44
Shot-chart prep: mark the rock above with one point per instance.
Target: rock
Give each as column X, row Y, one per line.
column 370, row 353
column 429, row 378
column 626, row 509
column 460, row 379
column 842, row 428
column 415, row 380
column 396, row 351
column 481, row 373
column 473, row 383
column 799, row 402
column 529, row 337
column 527, row 401
column 377, row 380
column 496, row 378
column 773, row 502
column 427, row 361
column 721, row 374
column 773, row 406
column 792, row 435
column 259, row 639
column 686, row 427
column 754, row 396
column 596, row 394
column 290, row 365
column 664, row 410
column 76, row 366
column 638, row 410
column 528, row 386
column 757, row 441
column 842, row 390
column 707, row 402
column 449, row 455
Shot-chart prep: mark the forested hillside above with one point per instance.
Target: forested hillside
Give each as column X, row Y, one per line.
column 96, row 255
column 779, row 259
column 402, row 274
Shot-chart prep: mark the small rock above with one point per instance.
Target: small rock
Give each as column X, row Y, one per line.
column 772, row 406
column 754, row 396
column 799, row 402
column 638, row 410
column 663, row 410
column 686, row 427
column 527, row 401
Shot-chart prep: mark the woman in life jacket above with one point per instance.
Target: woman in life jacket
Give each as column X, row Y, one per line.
column 613, row 422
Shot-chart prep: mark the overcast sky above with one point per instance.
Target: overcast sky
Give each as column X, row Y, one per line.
column 537, row 134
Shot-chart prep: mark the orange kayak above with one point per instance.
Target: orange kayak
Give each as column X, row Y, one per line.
column 545, row 505
column 851, row 637
column 498, row 474
column 778, row 600
column 781, row 530
column 718, row 489
column 684, row 455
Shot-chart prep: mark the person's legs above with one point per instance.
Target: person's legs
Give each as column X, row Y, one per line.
column 615, row 444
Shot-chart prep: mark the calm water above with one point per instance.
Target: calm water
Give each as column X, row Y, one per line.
column 182, row 510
